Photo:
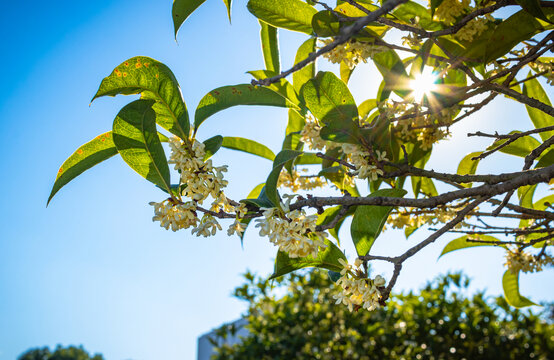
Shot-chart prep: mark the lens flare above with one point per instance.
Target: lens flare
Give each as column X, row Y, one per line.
column 423, row 84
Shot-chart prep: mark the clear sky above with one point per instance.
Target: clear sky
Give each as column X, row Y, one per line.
column 92, row 268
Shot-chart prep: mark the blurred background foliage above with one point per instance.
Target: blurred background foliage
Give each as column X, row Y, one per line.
column 60, row 353
column 295, row 317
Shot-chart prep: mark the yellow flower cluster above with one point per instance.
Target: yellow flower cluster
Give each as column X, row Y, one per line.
column 411, row 217
column 298, row 182
column 517, row 260
column 473, row 29
column 176, row 216
column 547, row 67
column 352, row 52
column 449, row 10
column 294, row 232
column 357, row 291
column 427, row 129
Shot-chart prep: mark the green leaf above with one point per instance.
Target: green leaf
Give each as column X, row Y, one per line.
column 136, row 139
column 281, row 87
column 533, row 7
column 462, row 243
column 212, row 145
column 182, row 9
column 411, row 12
column 248, row 146
column 85, row 157
column 525, row 195
column 228, row 4
column 301, row 76
column 295, row 125
column 329, row 99
column 366, row 108
column 308, row 159
column 468, row 166
column 510, row 284
column 546, row 159
column 369, row 220
column 270, row 47
column 394, row 73
column 326, row 24
column 261, row 200
column 520, row 147
column 271, row 182
column 533, row 89
column 227, row 96
column 326, row 259
column 517, row 28
column 292, row 15
column 154, row 81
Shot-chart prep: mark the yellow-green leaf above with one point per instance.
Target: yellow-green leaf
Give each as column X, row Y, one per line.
column 248, row 146
column 533, row 89
column 462, row 243
column 154, row 81
column 85, row 157
column 242, row 94
column 270, row 47
column 510, row 284
column 292, row 15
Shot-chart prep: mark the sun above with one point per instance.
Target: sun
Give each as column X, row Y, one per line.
column 423, row 84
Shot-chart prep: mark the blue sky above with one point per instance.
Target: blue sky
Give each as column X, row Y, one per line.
column 92, row 268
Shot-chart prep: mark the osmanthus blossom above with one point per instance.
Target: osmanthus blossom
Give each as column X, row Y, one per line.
column 357, row 291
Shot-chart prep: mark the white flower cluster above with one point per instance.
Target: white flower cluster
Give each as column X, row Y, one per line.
column 352, row 52
column 361, row 159
column 517, row 260
column 357, row 291
column 176, row 216
column 293, row 232
column 200, row 179
column 310, row 135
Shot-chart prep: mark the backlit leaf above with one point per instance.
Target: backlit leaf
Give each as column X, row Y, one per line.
column 510, row 284
column 301, row 76
column 292, row 15
column 248, row 146
column 136, row 139
column 182, row 9
column 533, row 89
column 462, row 243
column 85, row 157
column 329, row 99
column 270, row 47
column 228, row 96
column 154, row 81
